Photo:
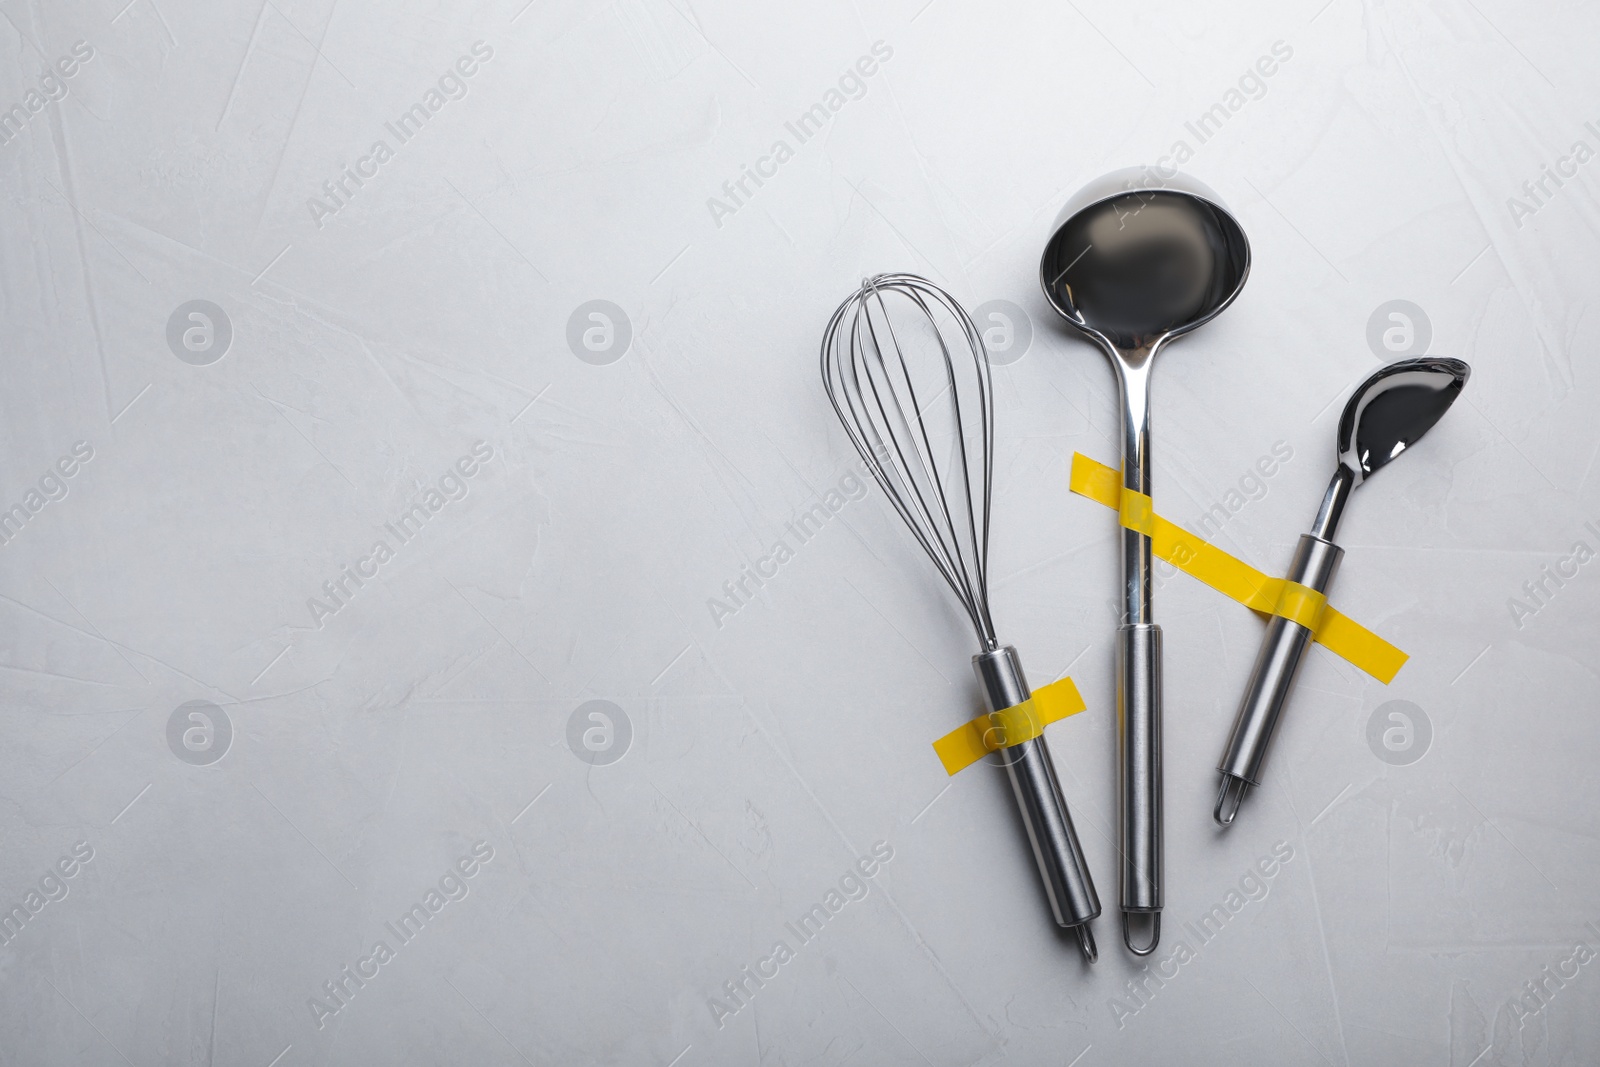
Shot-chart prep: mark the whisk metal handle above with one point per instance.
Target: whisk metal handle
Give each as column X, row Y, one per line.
column 1067, row 884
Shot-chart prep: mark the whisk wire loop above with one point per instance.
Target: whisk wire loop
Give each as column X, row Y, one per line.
column 880, row 368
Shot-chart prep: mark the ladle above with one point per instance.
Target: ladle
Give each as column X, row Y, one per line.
column 1134, row 261
column 1386, row 415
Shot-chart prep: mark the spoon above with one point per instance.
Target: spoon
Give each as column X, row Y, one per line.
column 1134, row 261
column 1385, row 416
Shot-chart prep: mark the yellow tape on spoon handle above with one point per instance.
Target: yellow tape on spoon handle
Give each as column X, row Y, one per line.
column 1235, row 578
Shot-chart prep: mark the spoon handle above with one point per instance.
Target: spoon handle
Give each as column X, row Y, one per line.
column 1316, row 560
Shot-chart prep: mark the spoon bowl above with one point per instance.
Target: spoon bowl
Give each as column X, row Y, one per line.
column 1388, row 413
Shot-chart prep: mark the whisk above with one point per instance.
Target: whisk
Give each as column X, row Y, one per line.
column 907, row 373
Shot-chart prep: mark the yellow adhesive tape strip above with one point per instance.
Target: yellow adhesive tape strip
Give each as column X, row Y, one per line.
column 1138, row 512
column 1235, row 578
column 966, row 745
column 1301, row 604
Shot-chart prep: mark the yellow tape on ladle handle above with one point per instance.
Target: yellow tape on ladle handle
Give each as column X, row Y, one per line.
column 1235, row 578
column 962, row 747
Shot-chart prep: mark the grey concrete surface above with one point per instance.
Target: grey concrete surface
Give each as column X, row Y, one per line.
column 394, row 393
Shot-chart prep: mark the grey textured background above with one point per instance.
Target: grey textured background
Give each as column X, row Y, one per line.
column 374, row 746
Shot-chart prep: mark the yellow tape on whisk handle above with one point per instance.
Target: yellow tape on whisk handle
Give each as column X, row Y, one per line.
column 1235, row 578
column 962, row 747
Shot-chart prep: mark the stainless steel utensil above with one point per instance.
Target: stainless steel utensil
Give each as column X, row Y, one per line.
column 907, row 373
column 1131, row 264
column 1386, row 415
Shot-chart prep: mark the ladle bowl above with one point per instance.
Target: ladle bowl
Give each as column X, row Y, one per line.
column 1138, row 268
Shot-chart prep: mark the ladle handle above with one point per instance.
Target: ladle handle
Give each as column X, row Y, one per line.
column 1316, row 560
column 1138, row 678
column 1139, row 765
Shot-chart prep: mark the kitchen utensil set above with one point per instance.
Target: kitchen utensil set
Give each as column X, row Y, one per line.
column 1131, row 264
